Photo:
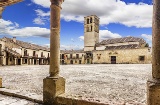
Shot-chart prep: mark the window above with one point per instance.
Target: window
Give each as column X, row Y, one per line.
column 48, row 55
column 41, row 54
column 25, row 61
column 34, row 53
column 70, row 55
column 91, row 20
column 141, row 58
column 71, row 62
column 91, row 28
column 25, row 52
column 77, row 55
column 87, row 21
column 63, row 56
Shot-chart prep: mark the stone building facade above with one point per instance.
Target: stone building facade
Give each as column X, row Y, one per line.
column 127, row 50
column 15, row 52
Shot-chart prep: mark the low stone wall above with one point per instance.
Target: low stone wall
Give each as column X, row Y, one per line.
column 60, row 100
column 70, row 101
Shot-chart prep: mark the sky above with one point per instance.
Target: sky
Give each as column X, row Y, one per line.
column 29, row 21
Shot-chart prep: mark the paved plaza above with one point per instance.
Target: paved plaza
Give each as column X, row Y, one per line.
column 123, row 83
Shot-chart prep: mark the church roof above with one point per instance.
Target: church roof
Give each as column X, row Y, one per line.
column 121, row 40
column 131, row 46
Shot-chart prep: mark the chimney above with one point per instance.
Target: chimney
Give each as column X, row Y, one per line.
column 14, row 39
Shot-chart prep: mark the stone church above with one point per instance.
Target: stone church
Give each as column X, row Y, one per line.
column 127, row 50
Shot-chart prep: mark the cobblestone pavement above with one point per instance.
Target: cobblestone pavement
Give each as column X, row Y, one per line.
column 125, row 83
column 6, row 100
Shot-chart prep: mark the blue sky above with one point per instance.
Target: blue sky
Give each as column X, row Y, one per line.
column 29, row 20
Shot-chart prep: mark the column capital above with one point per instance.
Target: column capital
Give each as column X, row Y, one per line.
column 57, row 2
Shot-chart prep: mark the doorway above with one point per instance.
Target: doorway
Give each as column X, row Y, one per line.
column 19, row 61
column 113, row 59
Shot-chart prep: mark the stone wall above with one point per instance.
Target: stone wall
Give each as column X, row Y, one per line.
column 123, row 56
column 68, row 59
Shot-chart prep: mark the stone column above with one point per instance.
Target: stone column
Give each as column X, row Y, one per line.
column 153, row 85
column 33, row 61
column 54, row 85
column 15, row 61
column 37, row 61
column 21, row 61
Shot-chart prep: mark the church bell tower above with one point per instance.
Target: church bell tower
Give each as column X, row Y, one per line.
column 91, row 32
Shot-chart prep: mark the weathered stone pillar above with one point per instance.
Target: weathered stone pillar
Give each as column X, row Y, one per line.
column 21, row 61
column 54, row 85
column 33, row 61
column 153, row 85
column 15, row 61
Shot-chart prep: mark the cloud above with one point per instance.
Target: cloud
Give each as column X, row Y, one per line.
column 81, row 38
column 39, row 21
column 41, row 18
column 70, row 47
column 148, row 37
column 13, row 29
column 43, row 3
column 42, row 13
column 109, row 11
column 106, row 34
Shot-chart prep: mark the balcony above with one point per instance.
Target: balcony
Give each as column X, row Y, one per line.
column 35, row 56
column 42, row 56
column 26, row 55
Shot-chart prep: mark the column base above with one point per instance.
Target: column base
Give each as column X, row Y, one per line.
column 0, row 82
column 52, row 87
column 153, row 92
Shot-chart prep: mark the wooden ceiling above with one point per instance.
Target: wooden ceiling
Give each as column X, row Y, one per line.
column 4, row 3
